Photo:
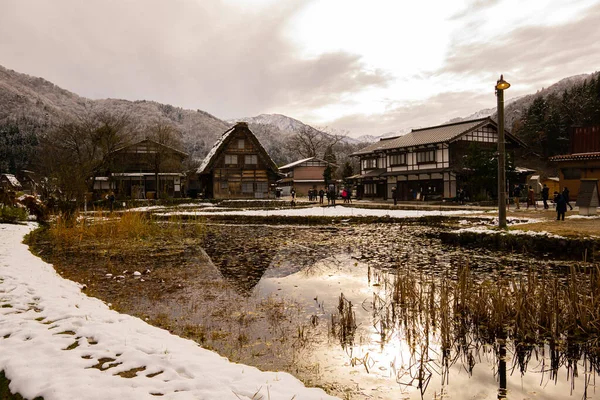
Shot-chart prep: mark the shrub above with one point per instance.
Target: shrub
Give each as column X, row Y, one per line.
column 12, row 215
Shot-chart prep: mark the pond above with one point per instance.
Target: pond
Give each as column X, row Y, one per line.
column 366, row 310
column 372, row 311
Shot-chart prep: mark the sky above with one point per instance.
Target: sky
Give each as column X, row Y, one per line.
column 361, row 67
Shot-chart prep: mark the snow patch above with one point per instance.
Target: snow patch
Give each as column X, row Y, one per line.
column 57, row 343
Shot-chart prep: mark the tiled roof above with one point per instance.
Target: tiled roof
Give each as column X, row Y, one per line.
column 423, row 136
column 577, row 157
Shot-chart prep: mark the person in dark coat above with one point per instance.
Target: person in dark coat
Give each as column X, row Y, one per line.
column 561, row 206
column 545, row 195
column 111, row 201
column 321, row 195
column 394, row 196
column 565, row 194
column 517, row 195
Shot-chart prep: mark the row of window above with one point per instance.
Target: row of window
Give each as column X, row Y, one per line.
column 423, row 157
column 232, row 159
column 249, row 187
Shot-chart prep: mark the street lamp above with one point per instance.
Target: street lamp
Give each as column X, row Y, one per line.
column 501, row 86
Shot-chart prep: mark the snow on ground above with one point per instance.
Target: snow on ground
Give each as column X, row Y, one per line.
column 329, row 212
column 154, row 208
column 488, row 231
column 52, row 335
column 577, row 216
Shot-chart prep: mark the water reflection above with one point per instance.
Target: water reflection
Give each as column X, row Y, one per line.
column 402, row 333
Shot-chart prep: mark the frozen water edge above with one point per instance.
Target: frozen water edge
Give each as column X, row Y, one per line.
column 54, row 341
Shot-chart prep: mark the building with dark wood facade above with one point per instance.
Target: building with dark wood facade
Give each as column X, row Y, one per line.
column 237, row 166
column 425, row 162
column 583, row 161
column 146, row 169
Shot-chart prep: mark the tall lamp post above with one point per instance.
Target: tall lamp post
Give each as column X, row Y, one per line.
column 501, row 86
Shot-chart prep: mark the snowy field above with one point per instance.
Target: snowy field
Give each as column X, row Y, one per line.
column 57, row 343
column 338, row 211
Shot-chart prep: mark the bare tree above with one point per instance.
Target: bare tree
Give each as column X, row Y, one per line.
column 311, row 142
column 73, row 154
column 164, row 134
column 68, row 156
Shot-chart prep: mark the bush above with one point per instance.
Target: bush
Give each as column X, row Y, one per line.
column 12, row 214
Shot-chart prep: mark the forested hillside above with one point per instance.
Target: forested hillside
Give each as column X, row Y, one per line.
column 544, row 121
column 33, row 110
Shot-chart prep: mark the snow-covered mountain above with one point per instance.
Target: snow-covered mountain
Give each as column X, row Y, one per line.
column 281, row 122
column 38, row 101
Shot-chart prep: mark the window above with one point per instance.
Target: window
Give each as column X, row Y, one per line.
column 241, row 143
column 250, row 159
column 572, row 173
column 427, row 156
column 370, row 188
column 224, row 185
column 231, row 159
column 370, row 163
column 247, row 187
column 398, row 159
column 262, row 187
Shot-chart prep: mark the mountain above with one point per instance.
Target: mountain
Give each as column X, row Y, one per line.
column 514, row 107
column 279, row 121
column 35, row 100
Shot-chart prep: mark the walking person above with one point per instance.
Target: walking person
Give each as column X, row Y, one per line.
column 321, row 195
column 517, row 195
column 531, row 198
column 561, row 206
column 565, row 194
column 545, row 195
column 394, row 191
column 111, row 200
column 461, row 196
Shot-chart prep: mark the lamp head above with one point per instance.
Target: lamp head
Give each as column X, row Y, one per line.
column 501, row 84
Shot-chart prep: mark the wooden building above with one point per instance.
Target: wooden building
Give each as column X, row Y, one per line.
column 425, row 162
column 237, row 166
column 146, row 169
column 9, row 182
column 304, row 175
column 583, row 161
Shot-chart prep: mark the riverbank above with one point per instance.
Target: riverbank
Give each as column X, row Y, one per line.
column 57, row 343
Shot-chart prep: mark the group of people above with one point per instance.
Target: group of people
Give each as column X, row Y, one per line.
column 331, row 195
column 313, row 194
column 561, row 200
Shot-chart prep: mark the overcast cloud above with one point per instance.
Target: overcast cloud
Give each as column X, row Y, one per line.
column 239, row 58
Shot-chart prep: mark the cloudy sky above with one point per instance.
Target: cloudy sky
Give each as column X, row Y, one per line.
column 368, row 67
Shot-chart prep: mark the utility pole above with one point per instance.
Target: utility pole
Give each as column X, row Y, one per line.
column 501, row 86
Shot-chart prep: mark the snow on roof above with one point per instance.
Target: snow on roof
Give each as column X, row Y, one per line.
column 12, row 180
column 290, row 165
column 213, row 151
column 523, row 170
column 54, row 340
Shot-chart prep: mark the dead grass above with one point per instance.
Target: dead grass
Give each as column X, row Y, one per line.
column 570, row 227
column 129, row 226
